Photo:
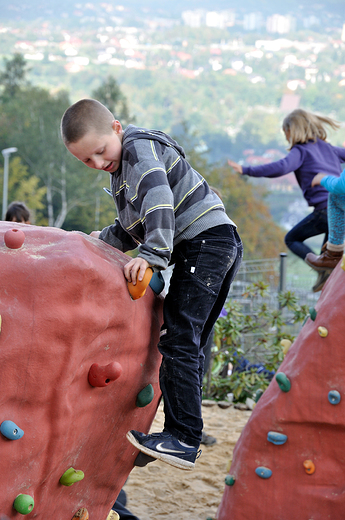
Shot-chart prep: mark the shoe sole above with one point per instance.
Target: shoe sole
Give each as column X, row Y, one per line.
column 319, row 269
column 319, row 287
column 164, row 457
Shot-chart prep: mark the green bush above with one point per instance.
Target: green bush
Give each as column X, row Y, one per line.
column 251, row 315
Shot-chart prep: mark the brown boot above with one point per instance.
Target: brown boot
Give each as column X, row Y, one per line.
column 325, row 262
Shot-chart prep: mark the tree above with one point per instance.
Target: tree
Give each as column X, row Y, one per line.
column 109, row 93
column 31, row 122
column 261, row 237
column 14, row 75
column 25, row 187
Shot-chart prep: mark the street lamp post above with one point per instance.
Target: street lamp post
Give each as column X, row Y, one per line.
column 6, row 153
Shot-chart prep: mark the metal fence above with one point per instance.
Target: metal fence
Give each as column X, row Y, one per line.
column 275, row 272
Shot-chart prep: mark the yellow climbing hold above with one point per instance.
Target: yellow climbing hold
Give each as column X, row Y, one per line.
column 286, row 344
column 113, row 515
column 343, row 263
column 0, row 322
column 322, row 331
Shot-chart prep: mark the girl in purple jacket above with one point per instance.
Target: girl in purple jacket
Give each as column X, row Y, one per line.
column 309, row 154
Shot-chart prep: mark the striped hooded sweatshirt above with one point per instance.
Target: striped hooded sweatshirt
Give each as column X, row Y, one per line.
column 160, row 199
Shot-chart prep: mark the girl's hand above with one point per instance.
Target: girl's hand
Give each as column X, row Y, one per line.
column 134, row 269
column 317, row 179
column 235, row 166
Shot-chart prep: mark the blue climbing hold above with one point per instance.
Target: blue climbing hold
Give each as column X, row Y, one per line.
column 157, row 282
column 276, row 438
column 334, row 397
column 263, row 472
column 10, row 430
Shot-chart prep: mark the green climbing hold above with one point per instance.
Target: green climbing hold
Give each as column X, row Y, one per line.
column 258, row 394
column 23, row 504
column 71, row 476
column 283, row 382
column 230, row 480
column 145, row 396
column 312, row 313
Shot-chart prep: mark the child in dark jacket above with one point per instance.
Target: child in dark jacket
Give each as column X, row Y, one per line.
column 167, row 210
column 309, row 154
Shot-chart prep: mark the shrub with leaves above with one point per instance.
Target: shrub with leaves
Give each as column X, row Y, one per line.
column 251, row 317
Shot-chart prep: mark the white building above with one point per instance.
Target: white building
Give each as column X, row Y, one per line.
column 253, row 21
column 201, row 17
column 195, row 18
column 280, row 24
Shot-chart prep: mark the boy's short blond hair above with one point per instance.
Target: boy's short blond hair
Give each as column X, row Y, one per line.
column 84, row 116
column 304, row 126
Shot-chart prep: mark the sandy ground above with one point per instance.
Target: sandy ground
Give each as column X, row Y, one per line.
column 160, row 491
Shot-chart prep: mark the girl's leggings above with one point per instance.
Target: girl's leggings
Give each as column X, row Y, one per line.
column 336, row 219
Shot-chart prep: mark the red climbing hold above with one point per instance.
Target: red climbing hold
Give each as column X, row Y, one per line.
column 103, row 375
column 14, row 238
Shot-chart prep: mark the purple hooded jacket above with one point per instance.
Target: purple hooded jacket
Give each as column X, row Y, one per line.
column 305, row 160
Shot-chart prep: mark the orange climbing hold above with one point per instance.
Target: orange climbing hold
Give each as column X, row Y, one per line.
column 138, row 290
column 309, row 467
column 81, row 514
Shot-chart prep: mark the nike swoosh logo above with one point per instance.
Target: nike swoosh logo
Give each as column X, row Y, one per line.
column 161, row 448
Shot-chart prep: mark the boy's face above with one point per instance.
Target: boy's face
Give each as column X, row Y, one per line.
column 102, row 152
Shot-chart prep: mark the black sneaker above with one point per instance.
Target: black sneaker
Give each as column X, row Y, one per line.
column 165, row 447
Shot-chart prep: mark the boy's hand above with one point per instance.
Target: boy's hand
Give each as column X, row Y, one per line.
column 95, row 234
column 317, row 179
column 235, row 166
column 135, row 269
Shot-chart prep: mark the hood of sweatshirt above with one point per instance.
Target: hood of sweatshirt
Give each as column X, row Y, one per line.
column 134, row 132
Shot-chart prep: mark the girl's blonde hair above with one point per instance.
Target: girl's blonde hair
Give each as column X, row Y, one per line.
column 302, row 126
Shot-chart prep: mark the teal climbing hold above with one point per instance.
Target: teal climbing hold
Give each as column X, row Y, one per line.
column 334, row 397
column 157, row 282
column 145, row 396
column 71, row 476
column 10, row 430
column 276, row 438
column 258, row 394
column 263, row 472
column 230, row 480
column 23, row 504
column 283, row 382
column 312, row 313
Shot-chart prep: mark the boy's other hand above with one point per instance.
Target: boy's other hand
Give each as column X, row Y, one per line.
column 95, row 234
column 135, row 269
column 317, row 179
column 235, row 166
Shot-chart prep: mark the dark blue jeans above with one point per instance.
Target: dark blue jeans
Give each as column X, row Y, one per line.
column 120, row 507
column 204, row 269
column 311, row 226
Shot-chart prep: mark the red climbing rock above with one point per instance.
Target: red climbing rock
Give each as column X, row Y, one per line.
column 308, row 467
column 65, row 306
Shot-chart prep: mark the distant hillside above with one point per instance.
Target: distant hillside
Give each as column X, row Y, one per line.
column 18, row 9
